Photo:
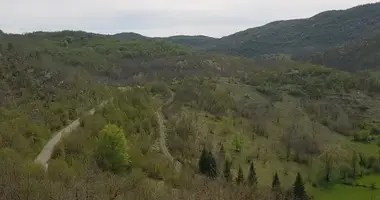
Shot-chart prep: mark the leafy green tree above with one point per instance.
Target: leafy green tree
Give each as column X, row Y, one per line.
column 252, row 179
column 111, row 153
column 227, row 170
column 240, row 176
column 299, row 188
column 237, row 143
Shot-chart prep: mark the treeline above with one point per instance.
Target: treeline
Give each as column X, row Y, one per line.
column 116, row 61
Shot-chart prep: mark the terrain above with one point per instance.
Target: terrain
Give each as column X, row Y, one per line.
column 185, row 123
column 297, row 36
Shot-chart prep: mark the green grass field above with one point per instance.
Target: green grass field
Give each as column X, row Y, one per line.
column 350, row 192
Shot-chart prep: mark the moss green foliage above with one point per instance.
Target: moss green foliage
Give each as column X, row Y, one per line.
column 39, row 97
column 237, row 143
column 111, row 153
column 203, row 94
column 361, row 54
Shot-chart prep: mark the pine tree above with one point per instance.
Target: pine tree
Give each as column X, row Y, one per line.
column 355, row 165
column 276, row 187
column 203, row 162
column 227, row 170
column 222, row 153
column 276, row 182
column 212, row 168
column 221, row 158
column 252, row 179
column 240, row 176
column 299, row 188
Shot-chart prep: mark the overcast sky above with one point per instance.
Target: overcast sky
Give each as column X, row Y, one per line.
column 157, row 17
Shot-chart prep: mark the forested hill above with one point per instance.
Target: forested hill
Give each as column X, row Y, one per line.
column 198, row 41
column 48, row 78
column 356, row 55
column 318, row 32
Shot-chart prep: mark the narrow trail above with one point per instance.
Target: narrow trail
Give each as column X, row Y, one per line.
column 162, row 129
column 45, row 154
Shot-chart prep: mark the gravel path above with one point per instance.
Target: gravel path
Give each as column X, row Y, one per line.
column 162, row 128
column 45, row 155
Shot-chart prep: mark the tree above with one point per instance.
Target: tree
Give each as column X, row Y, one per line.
column 240, row 176
column 227, row 170
column 276, row 182
column 276, row 187
column 252, row 179
column 299, row 188
column 221, row 157
column 212, row 168
column 355, row 165
column 237, row 143
column 111, row 153
column 207, row 164
column 203, row 162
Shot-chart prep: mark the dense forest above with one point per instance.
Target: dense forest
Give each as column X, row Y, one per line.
column 357, row 55
column 321, row 31
column 177, row 122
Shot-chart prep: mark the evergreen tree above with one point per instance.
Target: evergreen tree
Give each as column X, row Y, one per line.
column 240, row 176
column 362, row 160
column 227, row 170
column 203, row 162
column 222, row 153
column 212, row 168
column 276, row 187
column 252, row 179
column 355, row 165
column 299, row 188
column 221, row 158
column 276, row 182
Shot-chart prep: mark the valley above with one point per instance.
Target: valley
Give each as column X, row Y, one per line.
column 253, row 115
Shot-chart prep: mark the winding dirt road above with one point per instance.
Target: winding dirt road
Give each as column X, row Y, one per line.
column 45, row 155
column 162, row 128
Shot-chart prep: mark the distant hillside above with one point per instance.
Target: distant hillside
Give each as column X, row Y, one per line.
column 198, row 41
column 292, row 36
column 130, row 36
column 354, row 56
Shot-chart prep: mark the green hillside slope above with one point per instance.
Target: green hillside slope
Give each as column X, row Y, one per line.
column 355, row 56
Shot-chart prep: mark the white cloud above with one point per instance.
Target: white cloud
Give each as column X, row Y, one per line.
column 157, row 18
